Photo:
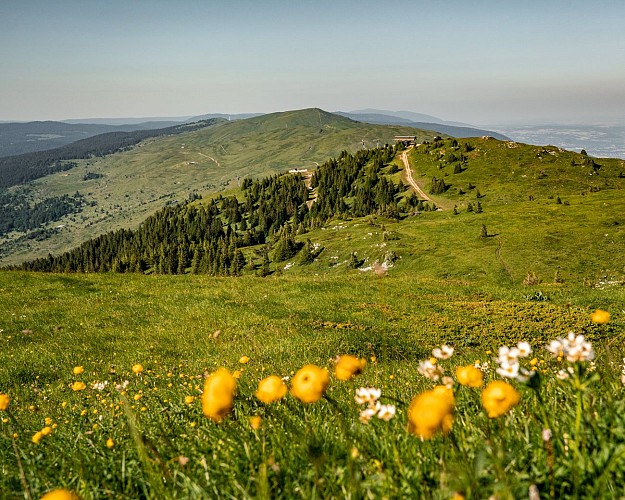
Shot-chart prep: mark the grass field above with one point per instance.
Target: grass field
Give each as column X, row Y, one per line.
column 79, row 416
column 182, row 328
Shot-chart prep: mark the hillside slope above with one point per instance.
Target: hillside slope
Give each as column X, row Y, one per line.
column 511, row 214
column 122, row 189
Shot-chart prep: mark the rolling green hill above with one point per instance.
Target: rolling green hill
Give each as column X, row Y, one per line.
column 122, row 189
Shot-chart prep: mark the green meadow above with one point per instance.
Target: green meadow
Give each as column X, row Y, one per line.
column 182, row 328
column 103, row 374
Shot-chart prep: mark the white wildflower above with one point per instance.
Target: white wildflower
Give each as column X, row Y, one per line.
column 122, row 386
column 547, row 435
column 507, row 355
column 562, row 375
column 100, row 386
column 448, row 382
column 367, row 395
column 524, row 349
column 483, row 367
column 430, row 370
column 445, row 352
column 508, row 370
column 574, row 347
column 386, row 412
column 366, row 415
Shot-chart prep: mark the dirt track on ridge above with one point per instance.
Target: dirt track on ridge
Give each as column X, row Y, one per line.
column 410, row 179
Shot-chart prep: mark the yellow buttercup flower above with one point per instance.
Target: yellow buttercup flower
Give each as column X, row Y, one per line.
column 244, row 360
column 189, row 399
column 78, row 386
column 347, row 366
column 470, row 376
column 499, row 397
column 46, row 431
column 271, row 389
column 431, row 411
column 218, row 394
column 60, row 495
column 4, row 401
column 600, row 317
column 37, row 436
column 255, row 422
column 78, row 370
column 309, row 383
column 110, row 443
column 138, row 368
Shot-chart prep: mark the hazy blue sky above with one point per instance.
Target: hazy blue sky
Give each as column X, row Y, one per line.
column 481, row 62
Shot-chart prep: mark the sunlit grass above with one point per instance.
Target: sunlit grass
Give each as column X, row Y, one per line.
column 150, row 437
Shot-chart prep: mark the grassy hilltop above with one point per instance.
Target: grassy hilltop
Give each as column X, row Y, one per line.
column 549, row 258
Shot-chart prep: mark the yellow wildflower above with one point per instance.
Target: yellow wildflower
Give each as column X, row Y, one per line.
column 499, row 397
column 110, row 443
column 600, row 317
column 46, row 431
column 218, row 394
column 309, row 383
column 189, row 399
column 347, row 366
column 237, row 374
column 60, row 495
column 244, row 360
column 431, row 411
column 37, row 437
column 271, row 389
column 4, row 401
column 78, row 370
column 78, row 386
column 138, row 368
column 469, row 375
column 255, row 422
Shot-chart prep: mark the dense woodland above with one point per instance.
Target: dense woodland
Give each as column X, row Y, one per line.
column 208, row 238
column 19, row 169
column 18, row 214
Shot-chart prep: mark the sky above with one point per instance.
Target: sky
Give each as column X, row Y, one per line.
column 476, row 61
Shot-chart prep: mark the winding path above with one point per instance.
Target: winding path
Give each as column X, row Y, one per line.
column 410, row 179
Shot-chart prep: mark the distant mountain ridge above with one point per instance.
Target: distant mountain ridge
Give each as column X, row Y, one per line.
column 27, row 137
column 406, row 118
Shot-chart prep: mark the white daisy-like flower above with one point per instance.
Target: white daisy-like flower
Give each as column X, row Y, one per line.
column 508, row 370
column 386, row 412
column 367, row 414
column 100, row 386
column 562, row 375
column 507, row 355
column 445, row 352
column 574, row 347
column 367, row 395
column 524, row 349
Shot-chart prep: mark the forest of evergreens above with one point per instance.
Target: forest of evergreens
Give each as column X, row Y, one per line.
column 19, row 214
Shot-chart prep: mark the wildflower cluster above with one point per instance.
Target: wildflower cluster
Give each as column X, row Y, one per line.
column 508, row 360
column 573, row 347
column 370, row 397
column 430, row 368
